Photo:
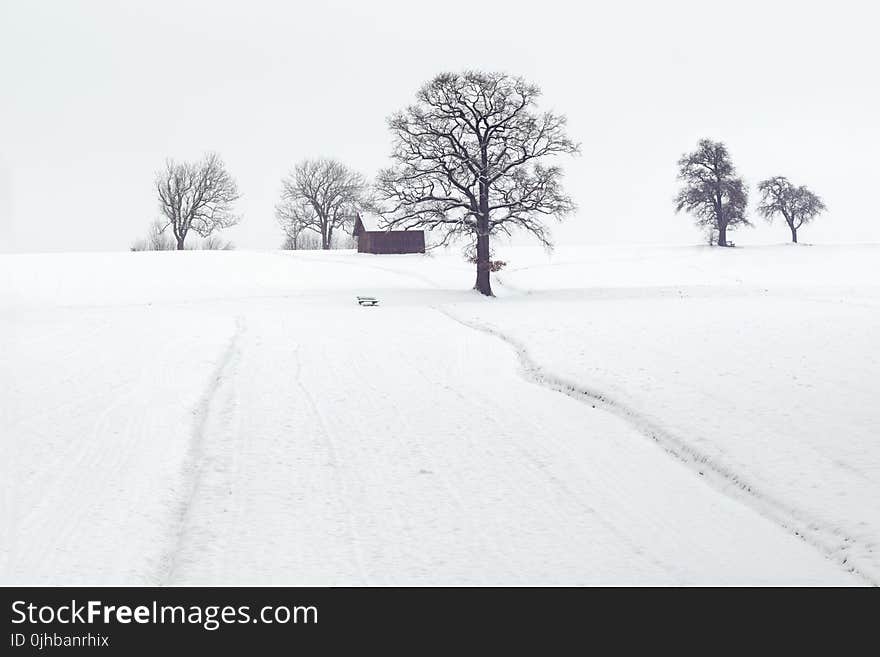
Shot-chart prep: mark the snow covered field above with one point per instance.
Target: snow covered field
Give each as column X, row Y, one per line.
column 615, row 416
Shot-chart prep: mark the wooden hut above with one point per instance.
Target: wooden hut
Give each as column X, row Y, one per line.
column 387, row 241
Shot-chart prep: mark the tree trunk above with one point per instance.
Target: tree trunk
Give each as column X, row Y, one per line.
column 180, row 243
column 719, row 213
column 793, row 234
column 483, row 284
column 722, row 235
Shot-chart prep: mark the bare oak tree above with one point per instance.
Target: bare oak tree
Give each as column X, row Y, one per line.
column 712, row 191
column 320, row 195
column 469, row 163
column 797, row 205
column 196, row 196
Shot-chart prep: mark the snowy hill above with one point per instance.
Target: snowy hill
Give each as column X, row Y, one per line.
column 641, row 415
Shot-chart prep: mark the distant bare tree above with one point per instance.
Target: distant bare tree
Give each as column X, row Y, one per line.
column 712, row 191
column 196, row 196
column 293, row 219
column 306, row 241
column 156, row 240
column 216, row 243
column 322, row 196
column 469, row 163
column 797, row 205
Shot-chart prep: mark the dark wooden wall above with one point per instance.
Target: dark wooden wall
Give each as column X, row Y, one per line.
column 394, row 241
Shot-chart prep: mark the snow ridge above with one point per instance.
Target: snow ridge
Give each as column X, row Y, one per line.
column 830, row 541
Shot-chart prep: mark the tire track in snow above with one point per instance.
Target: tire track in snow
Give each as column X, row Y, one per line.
column 539, row 469
column 338, row 470
column 195, row 456
column 830, row 542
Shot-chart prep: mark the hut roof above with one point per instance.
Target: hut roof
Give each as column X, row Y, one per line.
column 365, row 222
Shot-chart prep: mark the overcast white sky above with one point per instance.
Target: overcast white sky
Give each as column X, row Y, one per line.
column 95, row 95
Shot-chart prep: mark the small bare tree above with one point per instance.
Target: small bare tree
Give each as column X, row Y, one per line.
column 216, row 243
column 306, row 241
column 156, row 240
column 797, row 205
column 294, row 219
column 196, row 196
column 322, row 196
column 712, row 191
column 469, row 162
